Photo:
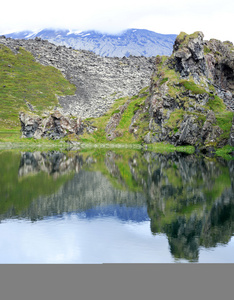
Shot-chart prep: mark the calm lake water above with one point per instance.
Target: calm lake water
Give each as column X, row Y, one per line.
column 115, row 206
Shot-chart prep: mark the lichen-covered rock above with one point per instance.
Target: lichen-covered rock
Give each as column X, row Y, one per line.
column 54, row 126
column 220, row 68
column 189, row 54
column 31, row 125
column 189, row 132
column 191, row 98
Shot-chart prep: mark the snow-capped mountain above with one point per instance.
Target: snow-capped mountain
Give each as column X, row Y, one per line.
column 137, row 42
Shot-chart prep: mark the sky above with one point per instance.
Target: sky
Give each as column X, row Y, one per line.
column 69, row 239
column 213, row 17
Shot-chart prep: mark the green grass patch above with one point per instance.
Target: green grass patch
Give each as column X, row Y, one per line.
column 129, row 113
column 183, row 38
column 193, row 87
column 224, row 121
column 24, row 80
column 164, row 80
column 225, row 152
column 145, row 90
column 206, row 50
column 216, row 104
column 167, row 148
column 99, row 136
column 175, row 119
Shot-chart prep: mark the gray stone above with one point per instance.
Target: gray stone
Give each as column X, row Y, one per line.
column 55, row 126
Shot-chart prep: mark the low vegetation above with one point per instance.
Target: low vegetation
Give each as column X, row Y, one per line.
column 27, row 85
column 183, row 38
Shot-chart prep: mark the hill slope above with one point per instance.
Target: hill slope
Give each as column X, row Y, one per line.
column 98, row 80
column 27, row 85
column 137, row 42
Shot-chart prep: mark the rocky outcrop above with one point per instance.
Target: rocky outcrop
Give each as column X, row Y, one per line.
column 99, row 80
column 189, row 59
column 220, row 66
column 192, row 132
column 192, row 94
column 53, row 126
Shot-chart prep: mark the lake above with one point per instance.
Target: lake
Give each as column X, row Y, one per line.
column 115, row 206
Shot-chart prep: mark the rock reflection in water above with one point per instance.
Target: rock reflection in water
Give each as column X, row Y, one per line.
column 190, row 199
column 54, row 163
column 88, row 191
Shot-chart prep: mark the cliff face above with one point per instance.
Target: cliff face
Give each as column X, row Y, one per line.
column 192, row 94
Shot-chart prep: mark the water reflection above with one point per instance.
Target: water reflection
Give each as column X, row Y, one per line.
column 188, row 198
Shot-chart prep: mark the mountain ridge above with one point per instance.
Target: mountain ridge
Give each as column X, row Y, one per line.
column 136, row 42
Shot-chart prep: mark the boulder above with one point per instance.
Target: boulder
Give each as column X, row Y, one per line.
column 31, row 125
column 189, row 132
column 54, row 126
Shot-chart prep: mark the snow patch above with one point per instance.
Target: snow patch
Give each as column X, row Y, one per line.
column 31, row 34
column 86, row 34
column 71, row 31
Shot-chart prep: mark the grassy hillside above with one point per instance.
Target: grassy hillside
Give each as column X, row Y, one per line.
column 26, row 84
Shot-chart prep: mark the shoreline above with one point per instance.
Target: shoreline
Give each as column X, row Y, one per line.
column 227, row 152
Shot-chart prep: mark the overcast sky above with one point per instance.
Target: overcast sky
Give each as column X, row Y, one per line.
column 213, row 17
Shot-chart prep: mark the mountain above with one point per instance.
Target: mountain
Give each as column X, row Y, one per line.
column 136, row 42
